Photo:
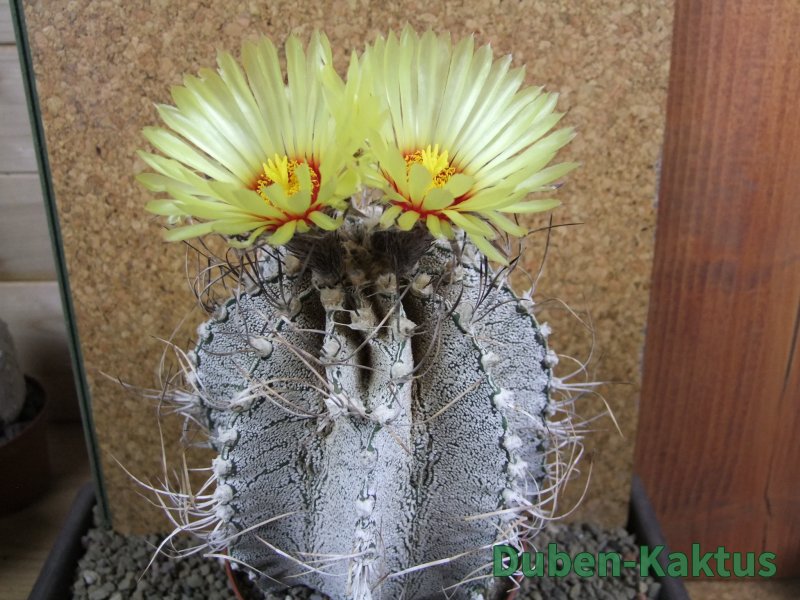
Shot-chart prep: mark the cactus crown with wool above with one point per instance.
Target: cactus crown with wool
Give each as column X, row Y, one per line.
column 381, row 403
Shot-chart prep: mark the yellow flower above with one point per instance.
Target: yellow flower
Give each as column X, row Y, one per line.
column 244, row 154
column 464, row 143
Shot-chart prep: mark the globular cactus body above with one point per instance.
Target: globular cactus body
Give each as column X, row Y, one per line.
column 380, row 409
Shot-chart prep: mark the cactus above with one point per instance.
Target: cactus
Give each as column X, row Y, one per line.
column 380, row 402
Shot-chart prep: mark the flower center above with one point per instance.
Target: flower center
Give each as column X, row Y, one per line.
column 437, row 163
column 282, row 170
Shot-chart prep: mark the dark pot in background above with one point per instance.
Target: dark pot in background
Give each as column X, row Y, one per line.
column 24, row 464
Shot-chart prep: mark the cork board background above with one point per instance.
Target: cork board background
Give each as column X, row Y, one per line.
column 100, row 66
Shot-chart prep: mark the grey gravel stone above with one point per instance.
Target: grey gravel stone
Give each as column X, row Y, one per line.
column 89, row 576
column 102, row 592
column 588, row 537
column 127, row 581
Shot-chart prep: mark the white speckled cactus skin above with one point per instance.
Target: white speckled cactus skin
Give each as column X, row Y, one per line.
column 380, row 410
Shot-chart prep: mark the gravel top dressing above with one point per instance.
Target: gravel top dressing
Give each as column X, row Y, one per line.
column 114, row 568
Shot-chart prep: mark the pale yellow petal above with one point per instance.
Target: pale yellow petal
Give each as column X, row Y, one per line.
column 531, row 206
column 434, row 226
column 407, row 220
column 437, row 199
column 190, row 231
column 389, row 216
column 323, row 221
column 488, row 250
column 419, row 180
column 283, row 234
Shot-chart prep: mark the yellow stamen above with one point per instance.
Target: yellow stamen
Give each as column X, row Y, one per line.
column 438, row 164
column 281, row 170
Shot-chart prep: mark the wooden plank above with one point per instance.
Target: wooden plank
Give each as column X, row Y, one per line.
column 25, row 251
column 16, row 151
column 782, row 492
column 33, row 313
column 717, row 442
column 6, row 27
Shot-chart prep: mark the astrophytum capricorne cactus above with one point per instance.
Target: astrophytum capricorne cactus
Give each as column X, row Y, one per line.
column 380, row 401
column 385, row 408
